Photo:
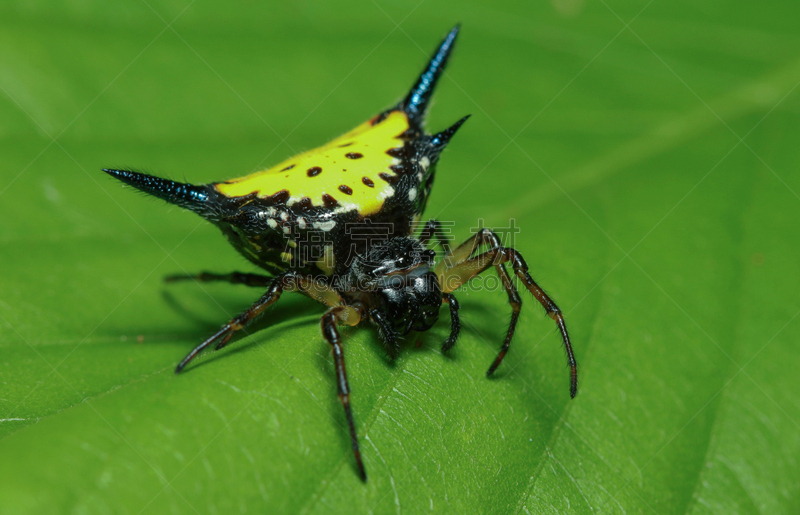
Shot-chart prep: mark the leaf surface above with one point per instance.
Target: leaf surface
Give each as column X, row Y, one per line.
column 651, row 173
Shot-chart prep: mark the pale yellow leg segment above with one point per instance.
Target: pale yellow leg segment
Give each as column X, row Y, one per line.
column 459, row 254
column 457, row 268
column 317, row 291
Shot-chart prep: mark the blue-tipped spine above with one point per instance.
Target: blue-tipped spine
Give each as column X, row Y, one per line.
column 416, row 102
column 188, row 196
column 441, row 139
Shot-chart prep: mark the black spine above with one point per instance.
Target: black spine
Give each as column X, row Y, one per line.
column 440, row 140
column 187, row 196
column 416, row 102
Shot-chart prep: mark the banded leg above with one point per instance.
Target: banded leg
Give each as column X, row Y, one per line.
column 286, row 282
column 350, row 316
column 553, row 311
column 455, row 321
column 233, row 278
column 467, row 267
column 486, row 236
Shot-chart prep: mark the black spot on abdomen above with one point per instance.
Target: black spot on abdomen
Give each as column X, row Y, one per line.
column 304, row 205
column 279, row 198
column 347, row 190
column 353, row 155
column 391, row 179
column 329, row 201
column 314, row 171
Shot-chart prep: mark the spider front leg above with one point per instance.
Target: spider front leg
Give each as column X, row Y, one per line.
column 466, row 266
column 387, row 332
column 455, row 321
column 461, row 257
column 351, row 316
column 521, row 269
column 433, row 229
column 490, row 238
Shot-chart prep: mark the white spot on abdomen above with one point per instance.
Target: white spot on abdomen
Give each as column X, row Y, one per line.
column 388, row 192
column 325, row 226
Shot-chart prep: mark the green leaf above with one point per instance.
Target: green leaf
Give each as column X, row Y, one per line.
column 651, row 171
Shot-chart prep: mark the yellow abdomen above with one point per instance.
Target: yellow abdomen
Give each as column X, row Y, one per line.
column 351, row 170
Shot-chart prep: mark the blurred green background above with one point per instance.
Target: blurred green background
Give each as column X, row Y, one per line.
column 646, row 149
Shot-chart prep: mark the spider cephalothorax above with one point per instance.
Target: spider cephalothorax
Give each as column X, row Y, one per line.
column 394, row 282
column 337, row 224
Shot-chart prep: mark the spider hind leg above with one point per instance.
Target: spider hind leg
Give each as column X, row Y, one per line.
column 288, row 281
column 239, row 322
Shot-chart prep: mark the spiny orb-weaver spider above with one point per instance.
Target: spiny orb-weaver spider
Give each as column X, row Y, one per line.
column 337, row 224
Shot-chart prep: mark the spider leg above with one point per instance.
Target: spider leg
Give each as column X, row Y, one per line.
column 388, row 333
column 238, row 323
column 460, row 254
column 472, row 267
column 516, row 305
column 288, row 281
column 455, row 321
column 485, row 236
column 311, row 288
column 233, row 278
column 434, row 229
column 467, row 267
column 521, row 269
column 350, row 316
